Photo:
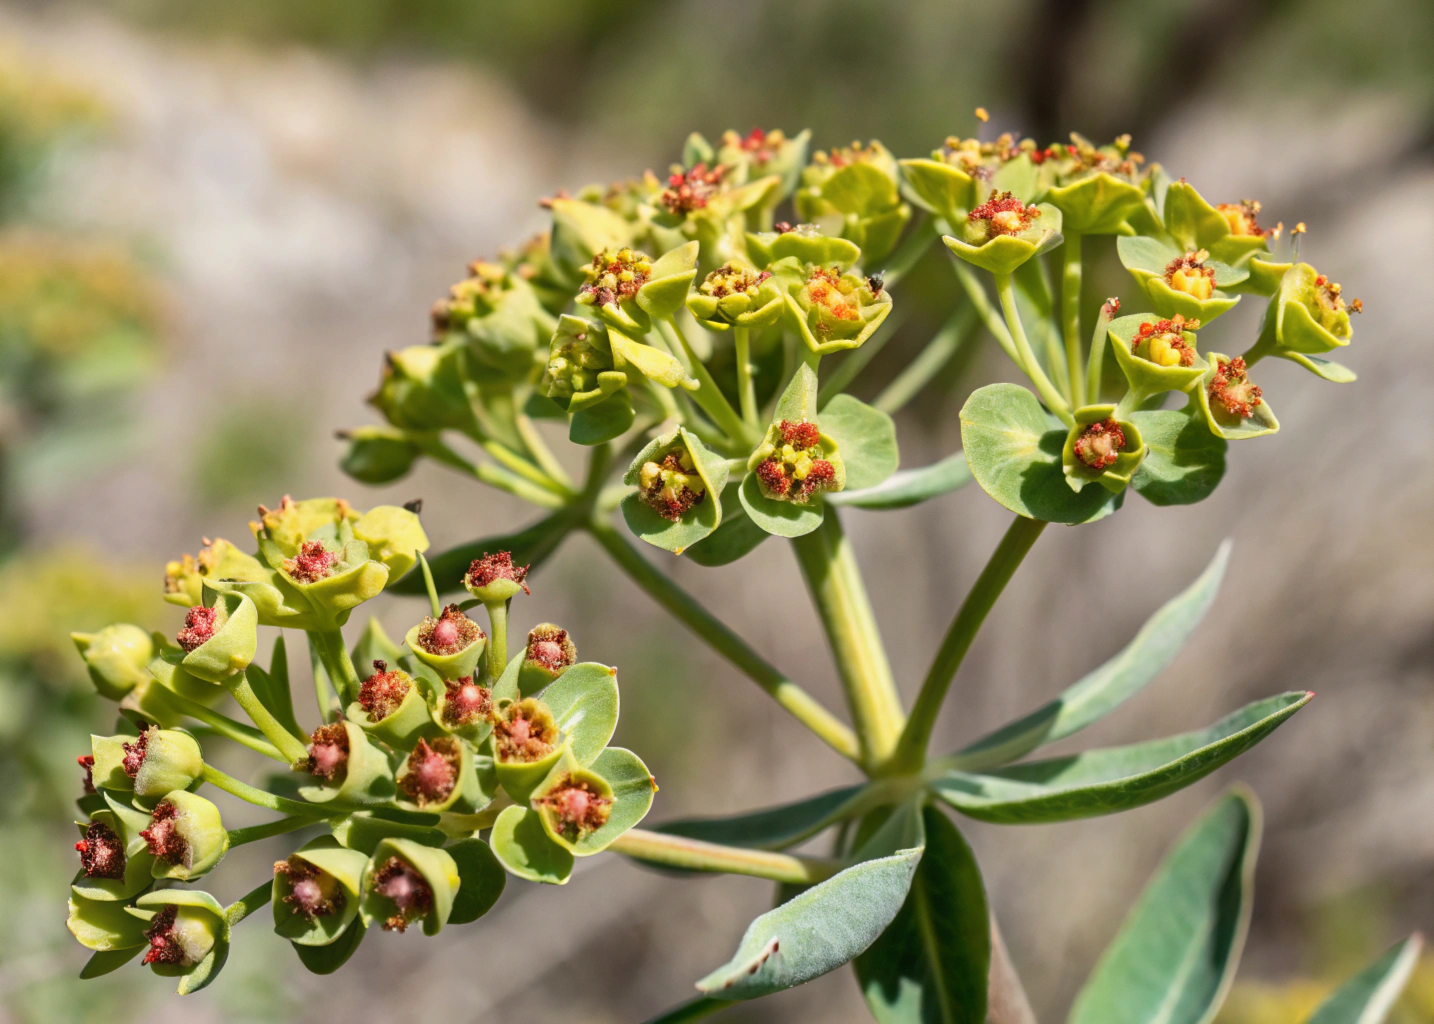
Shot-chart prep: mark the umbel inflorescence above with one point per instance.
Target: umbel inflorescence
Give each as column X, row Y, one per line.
column 696, row 333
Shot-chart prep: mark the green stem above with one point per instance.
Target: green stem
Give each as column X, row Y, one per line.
column 430, row 586
column 696, row 855
column 240, row 836
column 263, row 798
column 976, row 291
column 746, row 391
column 547, row 461
column 855, row 361
column 832, row 576
column 511, row 460
column 493, row 476
column 327, row 700
column 284, row 741
column 710, row 397
column 912, row 248
column 497, row 637
column 937, row 353
column 1129, row 402
column 221, row 724
column 797, row 702
column 1070, row 311
column 335, row 656
column 911, row 750
column 1095, row 366
column 251, row 901
column 1028, row 361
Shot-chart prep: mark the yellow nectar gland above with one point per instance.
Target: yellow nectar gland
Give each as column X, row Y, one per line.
column 1166, row 345
column 1242, row 217
column 1189, row 274
column 672, row 486
column 834, row 293
column 613, row 276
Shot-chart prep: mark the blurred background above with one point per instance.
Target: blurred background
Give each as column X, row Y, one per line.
column 215, row 218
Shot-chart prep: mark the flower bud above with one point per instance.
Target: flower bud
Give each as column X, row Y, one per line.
column 1101, row 449
column 548, row 655
column 573, row 803
column 160, row 761
column 796, row 462
column 834, row 311
column 220, row 640
column 494, row 578
column 1096, row 188
column 422, row 388
column 316, row 892
column 186, row 835
column 116, row 658
column 450, row 644
column 345, row 766
column 395, row 537
column 526, row 745
column 581, row 371
column 406, row 882
column 497, row 313
column 184, row 578
column 377, row 455
column 390, row 707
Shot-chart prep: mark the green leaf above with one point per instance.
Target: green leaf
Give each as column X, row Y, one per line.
column 594, row 424
column 1114, row 779
column 737, row 537
column 779, row 518
column 1013, row 447
column 1185, row 461
column 1368, row 997
column 481, row 880
column 107, row 960
column 530, row 546
column 774, row 828
column 817, row 931
column 632, row 790
column 931, row 965
column 523, row 847
column 909, row 486
column 1175, row 957
column 694, row 1009
column 700, row 521
column 1102, row 691
column 865, row 437
column 584, row 703
column 1328, row 369
column 328, row 959
column 272, row 687
column 799, row 399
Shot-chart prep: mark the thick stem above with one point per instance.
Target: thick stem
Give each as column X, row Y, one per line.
column 284, row 741
column 993, row 579
column 327, row 700
column 223, row 725
column 800, row 704
column 710, row 397
column 240, row 836
column 1095, row 366
column 251, row 901
column 696, row 855
column 937, row 353
column 497, row 637
column 746, row 390
column 830, row 568
column 1028, row 362
column 1128, row 403
column 1070, row 312
column 335, row 656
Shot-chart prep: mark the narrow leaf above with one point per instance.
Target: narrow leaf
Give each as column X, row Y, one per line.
column 1102, row 691
column 909, row 486
column 530, row 546
column 1368, row 997
column 1176, row 955
column 931, row 965
column 1114, row 779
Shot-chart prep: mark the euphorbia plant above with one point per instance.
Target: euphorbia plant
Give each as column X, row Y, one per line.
column 700, row 349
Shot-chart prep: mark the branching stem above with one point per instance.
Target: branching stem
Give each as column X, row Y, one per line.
column 696, row 855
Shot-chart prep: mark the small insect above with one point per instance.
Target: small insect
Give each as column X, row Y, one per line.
column 876, row 282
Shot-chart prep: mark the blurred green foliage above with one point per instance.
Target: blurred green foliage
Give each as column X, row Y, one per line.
column 247, row 449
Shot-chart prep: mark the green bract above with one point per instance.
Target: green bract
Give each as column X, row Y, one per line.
column 1096, row 188
column 391, row 708
column 1003, row 233
column 1180, row 283
column 734, row 295
column 116, row 658
column 628, row 289
column 1101, row 449
column 852, row 192
column 393, row 884
column 830, row 310
column 580, row 369
column 233, row 642
column 1233, row 406
column 422, row 388
column 1230, row 232
column 678, row 481
column 378, row 455
column 805, row 243
column 795, row 464
column 498, row 314
column 1156, row 354
column 346, row 766
column 186, row 836
column 316, row 892
column 1307, row 318
column 957, row 177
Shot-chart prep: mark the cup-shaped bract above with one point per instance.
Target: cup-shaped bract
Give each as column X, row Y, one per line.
column 1004, row 232
column 580, row 371
column 709, row 204
column 390, row 707
column 343, row 764
column 1157, row 354
column 526, row 745
column 573, row 802
column 114, row 857
column 734, row 295
column 316, row 892
column 450, row 644
column 186, row 835
column 679, row 481
column 1308, row 316
column 1234, row 406
column 422, row 388
column 1101, row 449
column 184, row 577
column 549, row 653
column 395, row 538
column 1096, row 188
column 116, row 657
column 159, row 761
column 494, row 577
column 221, row 640
column 796, row 462
column 628, row 289
column 498, row 314
column 831, row 310
column 464, row 708
column 1189, row 283
column 335, row 577
column 438, row 775
column 958, row 175
column 405, row 883
column 804, row 243
column 853, row 192
column 188, row 933
column 1230, row 232
column 758, row 154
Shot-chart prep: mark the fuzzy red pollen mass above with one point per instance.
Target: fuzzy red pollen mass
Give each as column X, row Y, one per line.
column 772, row 477
column 101, row 854
column 312, row 894
column 801, row 436
column 198, row 627
column 450, row 633
column 134, row 754
column 411, row 896
column 313, row 563
column 328, row 753
column 464, row 701
column 164, row 948
column 162, row 837
column 498, row 566
column 382, row 692
column 1100, row 444
column 578, row 808
column 432, row 771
